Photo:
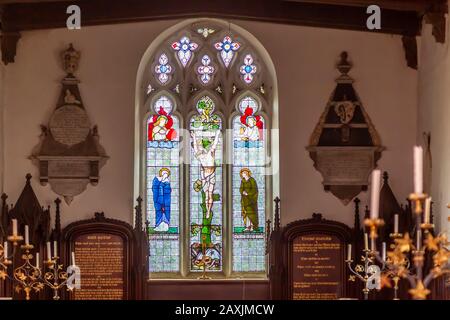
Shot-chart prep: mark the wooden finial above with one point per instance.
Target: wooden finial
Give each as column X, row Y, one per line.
column 385, row 177
column 138, row 214
column 58, row 216
column 344, row 66
column 356, row 201
column 277, row 226
column 367, row 213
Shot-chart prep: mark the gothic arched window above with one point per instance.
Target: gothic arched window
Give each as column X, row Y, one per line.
column 207, row 166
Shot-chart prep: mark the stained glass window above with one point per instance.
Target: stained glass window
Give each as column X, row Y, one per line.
column 184, row 49
column 163, row 189
column 248, row 69
column 249, row 187
column 205, row 70
column 227, row 47
column 206, row 188
column 163, row 69
column 205, row 32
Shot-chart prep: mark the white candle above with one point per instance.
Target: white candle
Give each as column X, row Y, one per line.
column 55, row 249
column 73, row 258
column 49, row 251
column 418, row 239
column 366, row 241
column 384, row 251
column 427, row 210
column 5, row 249
column 375, row 194
column 418, row 170
column 14, row 223
column 37, row 259
column 349, row 252
column 373, row 245
column 27, row 235
column 396, row 223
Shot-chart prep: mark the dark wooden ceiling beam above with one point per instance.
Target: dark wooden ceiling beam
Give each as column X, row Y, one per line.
column 31, row 16
column 404, row 5
column 408, row 5
column 402, row 17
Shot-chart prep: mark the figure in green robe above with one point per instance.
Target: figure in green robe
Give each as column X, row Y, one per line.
column 249, row 200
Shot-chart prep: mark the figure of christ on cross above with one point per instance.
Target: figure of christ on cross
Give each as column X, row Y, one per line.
column 206, row 155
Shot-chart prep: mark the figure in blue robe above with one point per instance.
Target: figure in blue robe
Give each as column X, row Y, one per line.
column 161, row 200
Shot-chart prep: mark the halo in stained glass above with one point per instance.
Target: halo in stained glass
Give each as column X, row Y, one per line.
column 184, row 49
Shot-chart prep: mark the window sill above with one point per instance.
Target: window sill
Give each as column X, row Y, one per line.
column 208, row 281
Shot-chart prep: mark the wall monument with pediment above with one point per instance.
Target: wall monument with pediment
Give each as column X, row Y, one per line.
column 69, row 155
column 344, row 145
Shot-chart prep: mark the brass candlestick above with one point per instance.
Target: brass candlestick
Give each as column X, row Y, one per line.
column 396, row 264
column 373, row 225
column 27, row 275
column 4, row 263
column 15, row 239
column 366, row 272
column 55, row 278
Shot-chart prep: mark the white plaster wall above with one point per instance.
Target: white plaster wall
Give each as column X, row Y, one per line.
column 434, row 116
column 2, row 126
column 304, row 59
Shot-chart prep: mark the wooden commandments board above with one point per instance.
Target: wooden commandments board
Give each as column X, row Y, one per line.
column 100, row 257
column 311, row 266
column 317, row 267
column 104, row 250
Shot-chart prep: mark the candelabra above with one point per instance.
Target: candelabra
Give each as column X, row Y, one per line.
column 402, row 263
column 55, row 278
column 32, row 278
column 27, row 275
column 367, row 272
column 398, row 264
column 4, row 261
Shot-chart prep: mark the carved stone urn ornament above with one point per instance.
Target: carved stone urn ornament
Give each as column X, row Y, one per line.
column 344, row 145
column 69, row 155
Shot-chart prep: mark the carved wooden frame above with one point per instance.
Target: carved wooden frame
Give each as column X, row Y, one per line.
column 100, row 224
column 314, row 225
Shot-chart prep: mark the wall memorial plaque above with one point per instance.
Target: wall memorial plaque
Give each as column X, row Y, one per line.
column 69, row 155
column 344, row 145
